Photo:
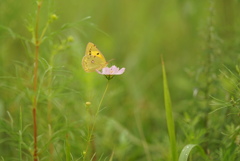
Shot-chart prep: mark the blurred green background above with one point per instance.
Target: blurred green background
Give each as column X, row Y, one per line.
column 195, row 38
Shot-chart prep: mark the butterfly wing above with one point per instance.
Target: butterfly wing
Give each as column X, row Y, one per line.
column 91, row 63
column 93, row 59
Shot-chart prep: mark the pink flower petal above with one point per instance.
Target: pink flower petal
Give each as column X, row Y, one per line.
column 111, row 71
column 114, row 68
column 105, row 70
column 121, row 71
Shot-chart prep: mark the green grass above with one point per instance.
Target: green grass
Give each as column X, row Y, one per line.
column 188, row 149
column 135, row 120
column 169, row 116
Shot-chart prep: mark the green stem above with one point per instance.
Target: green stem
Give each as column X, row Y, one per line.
column 20, row 135
column 143, row 138
column 208, row 65
column 100, row 103
column 49, row 105
column 90, row 136
column 44, row 31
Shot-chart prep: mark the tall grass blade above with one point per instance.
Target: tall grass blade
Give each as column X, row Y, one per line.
column 111, row 158
column 169, row 117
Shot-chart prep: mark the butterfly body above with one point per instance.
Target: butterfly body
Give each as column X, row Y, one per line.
column 93, row 59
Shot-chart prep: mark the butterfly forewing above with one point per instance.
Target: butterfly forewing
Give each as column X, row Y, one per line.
column 93, row 50
column 93, row 59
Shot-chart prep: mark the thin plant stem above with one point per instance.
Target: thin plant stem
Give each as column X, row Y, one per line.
column 20, row 134
column 49, row 105
column 67, row 149
column 90, row 136
column 35, row 83
column 100, row 103
column 208, row 65
column 44, row 30
column 143, row 138
column 50, row 80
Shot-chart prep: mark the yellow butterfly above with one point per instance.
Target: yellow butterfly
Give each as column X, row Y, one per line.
column 93, row 59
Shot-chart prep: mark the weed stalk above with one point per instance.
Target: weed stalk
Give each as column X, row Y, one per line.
column 35, row 82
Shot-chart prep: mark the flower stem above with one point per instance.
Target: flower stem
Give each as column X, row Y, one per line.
column 100, row 103
column 90, row 136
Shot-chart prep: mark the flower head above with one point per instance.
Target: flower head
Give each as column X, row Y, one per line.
column 110, row 72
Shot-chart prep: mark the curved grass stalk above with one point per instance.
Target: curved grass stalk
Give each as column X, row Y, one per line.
column 188, row 149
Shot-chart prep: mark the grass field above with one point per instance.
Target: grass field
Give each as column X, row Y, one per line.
column 178, row 99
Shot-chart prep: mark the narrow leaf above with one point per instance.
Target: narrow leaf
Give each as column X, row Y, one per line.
column 169, row 117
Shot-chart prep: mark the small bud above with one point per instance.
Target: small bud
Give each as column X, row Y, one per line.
column 54, row 17
column 84, row 153
column 88, row 104
column 39, row 3
column 70, row 39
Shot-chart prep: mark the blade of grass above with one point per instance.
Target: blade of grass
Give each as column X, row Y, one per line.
column 187, row 150
column 111, row 157
column 11, row 119
column 169, row 117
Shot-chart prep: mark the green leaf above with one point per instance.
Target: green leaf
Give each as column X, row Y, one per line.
column 169, row 116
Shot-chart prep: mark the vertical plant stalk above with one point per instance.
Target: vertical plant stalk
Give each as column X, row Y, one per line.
column 143, row 138
column 90, row 135
column 50, row 80
column 20, row 135
column 169, row 116
column 67, row 149
column 49, row 106
column 209, row 81
column 35, row 83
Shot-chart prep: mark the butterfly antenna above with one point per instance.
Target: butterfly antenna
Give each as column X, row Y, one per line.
column 110, row 60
